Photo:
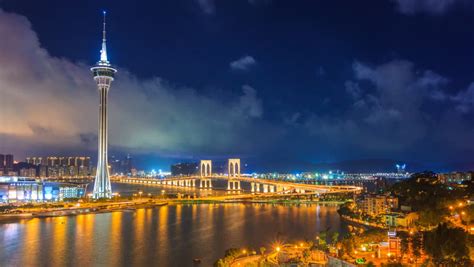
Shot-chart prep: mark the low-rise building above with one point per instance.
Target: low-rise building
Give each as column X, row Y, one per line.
column 398, row 219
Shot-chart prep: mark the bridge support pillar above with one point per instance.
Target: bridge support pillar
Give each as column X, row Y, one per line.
column 265, row 188
column 272, row 188
column 193, row 183
column 257, row 187
column 252, row 186
column 205, row 183
column 233, row 185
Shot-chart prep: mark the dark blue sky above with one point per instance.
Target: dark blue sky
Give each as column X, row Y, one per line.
column 310, row 81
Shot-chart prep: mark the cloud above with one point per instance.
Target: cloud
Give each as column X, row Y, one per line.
column 464, row 99
column 52, row 103
column 396, row 109
column 249, row 103
column 432, row 7
column 244, row 63
column 207, row 6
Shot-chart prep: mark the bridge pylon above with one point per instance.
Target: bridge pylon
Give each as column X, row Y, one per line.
column 205, row 168
column 233, row 168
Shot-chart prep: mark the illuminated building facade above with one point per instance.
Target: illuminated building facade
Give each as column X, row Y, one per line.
column 13, row 189
column 61, row 167
column 2, row 163
column 374, row 205
column 103, row 76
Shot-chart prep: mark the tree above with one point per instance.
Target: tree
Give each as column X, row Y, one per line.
column 403, row 244
column 447, row 245
column 220, row 263
column 231, row 254
column 431, row 217
column 334, row 238
column 416, row 244
column 323, row 238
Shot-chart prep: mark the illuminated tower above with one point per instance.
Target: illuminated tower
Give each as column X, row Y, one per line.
column 103, row 76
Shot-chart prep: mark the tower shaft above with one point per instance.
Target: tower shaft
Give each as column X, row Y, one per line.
column 102, row 186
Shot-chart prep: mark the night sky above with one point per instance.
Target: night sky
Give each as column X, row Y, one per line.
column 281, row 84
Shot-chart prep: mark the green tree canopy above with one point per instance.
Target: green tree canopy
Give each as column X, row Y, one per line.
column 447, row 245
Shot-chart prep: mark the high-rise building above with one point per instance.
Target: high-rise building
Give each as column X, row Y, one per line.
column 9, row 163
column 58, row 167
column 35, row 161
column 2, row 163
column 103, row 75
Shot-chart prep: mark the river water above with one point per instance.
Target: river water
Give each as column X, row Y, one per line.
column 164, row 236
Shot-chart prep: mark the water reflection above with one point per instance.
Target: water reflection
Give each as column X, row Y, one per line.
column 32, row 243
column 165, row 236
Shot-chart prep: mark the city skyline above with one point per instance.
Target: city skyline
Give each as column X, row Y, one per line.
column 375, row 98
column 237, row 133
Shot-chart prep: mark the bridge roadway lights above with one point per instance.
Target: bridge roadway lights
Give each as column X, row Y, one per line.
column 233, row 185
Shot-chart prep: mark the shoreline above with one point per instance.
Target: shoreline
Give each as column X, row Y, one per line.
column 103, row 207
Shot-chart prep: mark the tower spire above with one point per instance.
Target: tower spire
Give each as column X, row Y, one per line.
column 103, row 51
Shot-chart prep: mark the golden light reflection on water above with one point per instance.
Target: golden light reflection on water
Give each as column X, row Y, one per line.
column 165, row 236
column 162, row 233
column 57, row 250
column 84, row 230
column 32, row 242
column 139, row 234
column 115, row 250
column 179, row 211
